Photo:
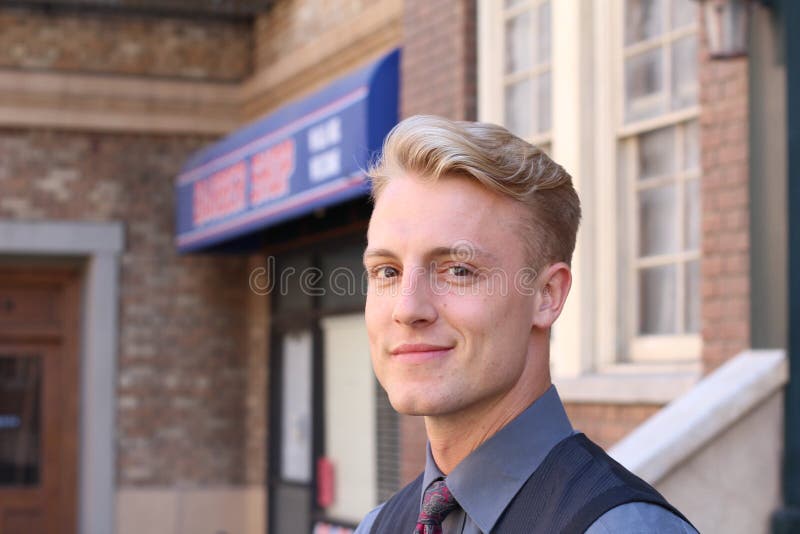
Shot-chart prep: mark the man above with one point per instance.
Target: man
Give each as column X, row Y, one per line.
column 468, row 257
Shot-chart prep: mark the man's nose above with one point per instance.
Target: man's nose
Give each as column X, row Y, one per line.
column 414, row 306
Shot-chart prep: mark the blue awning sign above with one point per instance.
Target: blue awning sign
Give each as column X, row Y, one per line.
column 306, row 155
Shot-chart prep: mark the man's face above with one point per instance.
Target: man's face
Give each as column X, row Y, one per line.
column 446, row 334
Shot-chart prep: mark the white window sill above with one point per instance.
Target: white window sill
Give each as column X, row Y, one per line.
column 630, row 383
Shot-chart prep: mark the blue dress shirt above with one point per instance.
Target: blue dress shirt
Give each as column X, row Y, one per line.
column 486, row 481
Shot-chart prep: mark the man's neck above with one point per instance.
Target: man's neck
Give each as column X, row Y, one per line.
column 454, row 436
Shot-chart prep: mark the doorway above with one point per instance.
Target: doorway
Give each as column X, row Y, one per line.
column 325, row 446
column 39, row 392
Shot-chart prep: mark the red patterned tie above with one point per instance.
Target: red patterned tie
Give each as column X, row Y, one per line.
column 436, row 504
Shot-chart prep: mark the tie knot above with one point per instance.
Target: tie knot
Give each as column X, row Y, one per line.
column 436, row 504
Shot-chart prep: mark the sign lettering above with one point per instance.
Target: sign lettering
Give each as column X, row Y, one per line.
column 270, row 172
column 219, row 195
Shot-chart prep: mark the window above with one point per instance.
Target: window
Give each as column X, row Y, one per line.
column 659, row 171
column 610, row 89
column 521, row 81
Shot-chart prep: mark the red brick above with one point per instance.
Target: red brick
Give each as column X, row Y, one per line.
column 181, row 368
column 131, row 45
column 439, row 59
column 725, row 208
column 607, row 423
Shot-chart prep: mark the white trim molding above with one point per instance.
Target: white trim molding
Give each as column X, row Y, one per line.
column 101, row 245
column 630, row 383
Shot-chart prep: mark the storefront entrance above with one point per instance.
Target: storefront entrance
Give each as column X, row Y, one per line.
column 38, row 400
column 324, row 436
column 294, row 180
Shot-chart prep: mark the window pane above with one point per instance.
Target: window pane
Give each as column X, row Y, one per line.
column 543, row 101
column 658, row 212
column 296, row 436
column 684, row 72
column 691, row 147
column 657, row 296
column 692, row 231
column 643, row 20
column 20, row 423
column 644, row 85
column 692, row 298
column 519, row 49
column 683, row 13
column 657, row 153
column 543, row 34
column 518, row 108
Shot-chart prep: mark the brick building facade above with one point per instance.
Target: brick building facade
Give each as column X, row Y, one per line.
column 99, row 110
column 726, row 215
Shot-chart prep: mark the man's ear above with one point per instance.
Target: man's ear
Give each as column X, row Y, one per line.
column 553, row 288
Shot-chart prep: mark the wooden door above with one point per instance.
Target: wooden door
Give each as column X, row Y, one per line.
column 38, row 400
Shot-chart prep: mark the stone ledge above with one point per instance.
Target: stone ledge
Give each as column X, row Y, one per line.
column 62, row 237
column 116, row 103
column 683, row 427
column 176, row 510
column 156, row 105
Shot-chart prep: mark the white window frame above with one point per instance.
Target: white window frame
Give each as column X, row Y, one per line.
column 650, row 348
column 587, row 105
column 573, row 354
column 655, row 348
column 493, row 79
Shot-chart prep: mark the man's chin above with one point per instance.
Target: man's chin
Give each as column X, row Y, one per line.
column 421, row 405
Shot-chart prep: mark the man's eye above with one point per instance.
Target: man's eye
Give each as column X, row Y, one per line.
column 385, row 271
column 459, row 271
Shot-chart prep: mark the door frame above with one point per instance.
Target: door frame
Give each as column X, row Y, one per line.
column 99, row 246
column 57, row 342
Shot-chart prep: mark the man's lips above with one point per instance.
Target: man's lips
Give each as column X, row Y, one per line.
column 419, row 352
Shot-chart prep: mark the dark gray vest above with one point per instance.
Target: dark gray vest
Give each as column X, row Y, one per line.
column 575, row 484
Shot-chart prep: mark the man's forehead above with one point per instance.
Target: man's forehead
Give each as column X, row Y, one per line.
column 450, row 216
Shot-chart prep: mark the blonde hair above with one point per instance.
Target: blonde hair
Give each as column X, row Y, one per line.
column 431, row 147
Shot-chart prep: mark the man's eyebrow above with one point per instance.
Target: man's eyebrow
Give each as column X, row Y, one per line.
column 465, row 253
column 378, row 252
column 461, row 252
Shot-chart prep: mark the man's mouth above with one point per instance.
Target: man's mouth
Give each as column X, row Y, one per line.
column 419, row 352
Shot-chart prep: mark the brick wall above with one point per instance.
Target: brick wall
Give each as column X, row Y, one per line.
column 412, row 447
column 605, row 424
column 182, row 347
column 125, row 44
column 291, row 24
column 725, row 207
column 439, row 59
column 301, row 45
column 257, row 381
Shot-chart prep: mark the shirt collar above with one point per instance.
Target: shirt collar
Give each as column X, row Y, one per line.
column 485, row 481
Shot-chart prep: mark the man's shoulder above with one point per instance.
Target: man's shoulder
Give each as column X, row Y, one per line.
column 578, row 484
column 640, row 517
column 366, row 524
column 395, row 507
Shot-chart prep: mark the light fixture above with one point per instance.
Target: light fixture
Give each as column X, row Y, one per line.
column 726, row 27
